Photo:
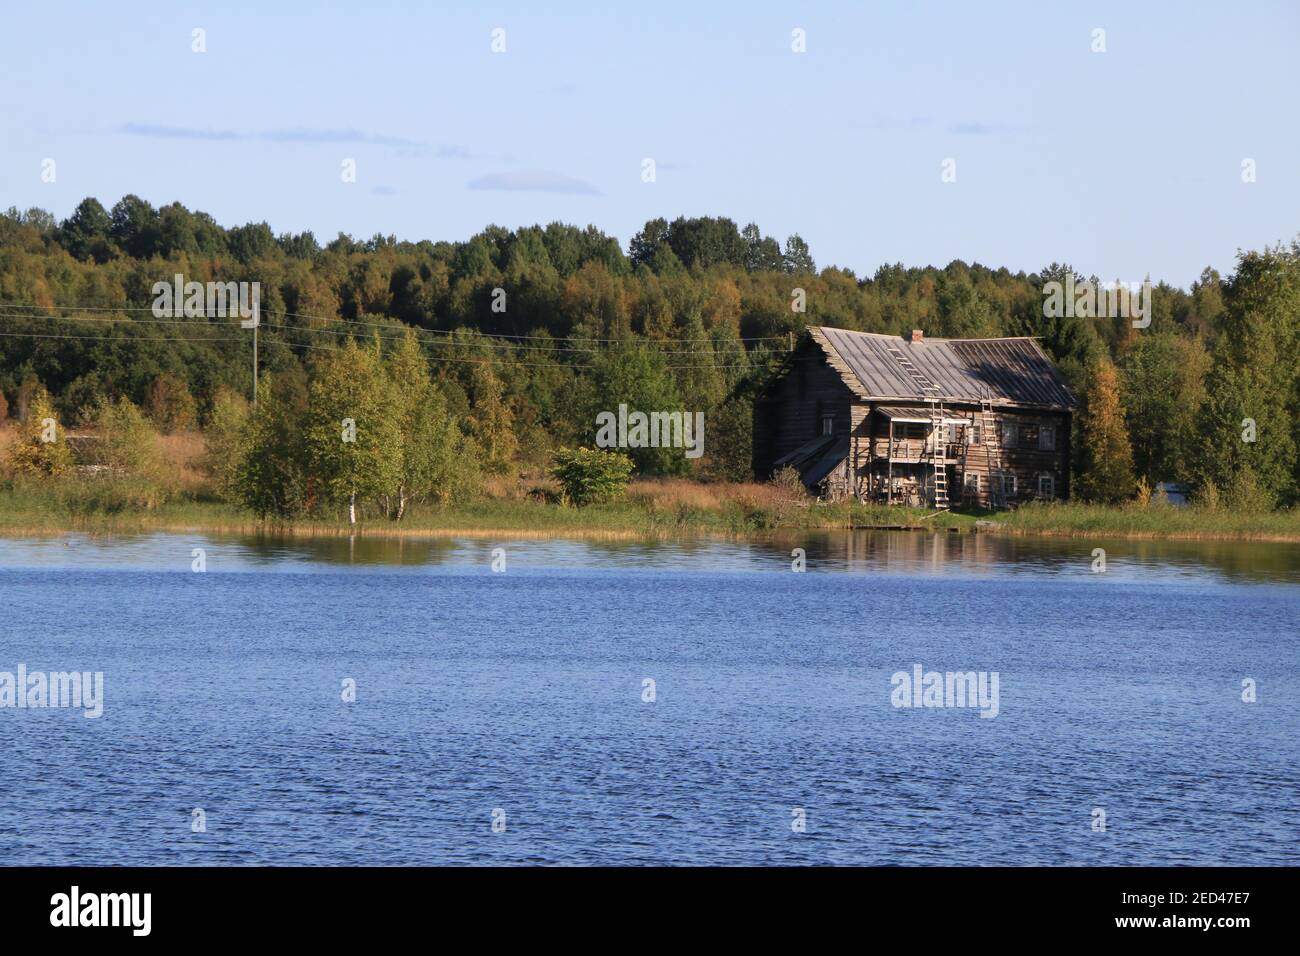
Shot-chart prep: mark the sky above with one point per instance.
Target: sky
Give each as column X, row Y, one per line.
column 1125, row 163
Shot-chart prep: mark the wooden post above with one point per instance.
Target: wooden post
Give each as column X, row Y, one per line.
column 889, row 478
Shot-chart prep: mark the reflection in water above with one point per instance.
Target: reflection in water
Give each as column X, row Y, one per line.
column 353, row 549
column 903, row 552
column 859, row 552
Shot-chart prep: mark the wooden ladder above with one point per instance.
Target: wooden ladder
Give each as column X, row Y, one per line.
column 940, row 456
column 992, row 446
column 923, row 384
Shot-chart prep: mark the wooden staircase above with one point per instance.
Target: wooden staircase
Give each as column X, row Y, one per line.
column 939, row 458
column 992, row 453
column 930, row 392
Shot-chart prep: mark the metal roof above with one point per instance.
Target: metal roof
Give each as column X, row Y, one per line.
column 823, row 466
column 913, row 413
column 1010, row 371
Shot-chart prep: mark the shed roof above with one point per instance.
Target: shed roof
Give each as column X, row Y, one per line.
column 912, row 413
column 1007, row 371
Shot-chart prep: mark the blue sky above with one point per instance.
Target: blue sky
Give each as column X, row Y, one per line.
column 1124, row 163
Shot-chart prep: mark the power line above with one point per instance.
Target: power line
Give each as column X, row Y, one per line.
column 418, row 330
column 437, row 359
column 396, row 335
column 108, row 338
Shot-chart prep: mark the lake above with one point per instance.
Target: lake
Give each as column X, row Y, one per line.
column 639, row 703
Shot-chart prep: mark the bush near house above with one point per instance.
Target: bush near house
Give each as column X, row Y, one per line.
column 589, row 476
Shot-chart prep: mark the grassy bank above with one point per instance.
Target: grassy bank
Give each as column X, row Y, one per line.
column 649, row 510
column 180, row 500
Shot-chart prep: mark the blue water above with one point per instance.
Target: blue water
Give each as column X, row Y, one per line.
column 521, row 692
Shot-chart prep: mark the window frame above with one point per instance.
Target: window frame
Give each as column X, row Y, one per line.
column 1047, row 438
column 1051, row 486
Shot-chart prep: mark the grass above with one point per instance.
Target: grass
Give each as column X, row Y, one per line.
column 1153, row 521
column 529, row 507
column 649, row 510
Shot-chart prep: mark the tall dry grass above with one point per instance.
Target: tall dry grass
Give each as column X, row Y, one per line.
column 182, row 456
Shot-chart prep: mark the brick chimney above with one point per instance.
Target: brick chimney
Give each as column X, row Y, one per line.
column 916, row 336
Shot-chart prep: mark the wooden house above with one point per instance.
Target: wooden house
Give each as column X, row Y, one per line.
column 911, row 420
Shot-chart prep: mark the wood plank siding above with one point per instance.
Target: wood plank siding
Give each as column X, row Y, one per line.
column 1005, row 411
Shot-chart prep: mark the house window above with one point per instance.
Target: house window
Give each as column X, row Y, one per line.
column 1008, row 486
column 1046, row 486
column 1047, row 438
column 828, row 424
column 1028, row 436
column 976, row 433
column 972, row 483
column 1008, row 434
column 910, row 430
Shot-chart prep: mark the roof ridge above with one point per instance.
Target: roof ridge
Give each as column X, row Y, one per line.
column 937, row 338
column 1020, row 374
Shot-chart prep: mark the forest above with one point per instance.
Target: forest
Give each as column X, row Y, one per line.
column 486, row 357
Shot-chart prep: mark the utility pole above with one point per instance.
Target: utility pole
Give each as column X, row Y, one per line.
column 253, row 324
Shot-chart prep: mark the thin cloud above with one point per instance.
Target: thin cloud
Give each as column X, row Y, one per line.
column 298, row 134
column 981, row 129
column 179, row 132
column 534, row 180
column 310, row 135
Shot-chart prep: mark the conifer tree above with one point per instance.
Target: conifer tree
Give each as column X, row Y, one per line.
column 1107, row 475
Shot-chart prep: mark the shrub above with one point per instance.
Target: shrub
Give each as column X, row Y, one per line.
column 789, row 494
column 41, row 448
column 588, row 476
column 171, row 406
column 1247, row 495
column 1207, row 497
column 224, row 439
column 127, row 444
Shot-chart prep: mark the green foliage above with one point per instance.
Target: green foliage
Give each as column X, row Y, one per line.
column 171, row 406
column 1249, row 425
column 225, row 440
column 438, row 462
column 589, row 476
column 1163, row 386
column 1107, row 474
column 729, row 443
column 271, row 478
column 694, row 313
column 124, row 442
column 635, row 375
column 352, row 435
column 491, row 421
column 40, row 448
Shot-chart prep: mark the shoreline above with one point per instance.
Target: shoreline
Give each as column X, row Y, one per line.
column 959, row 524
